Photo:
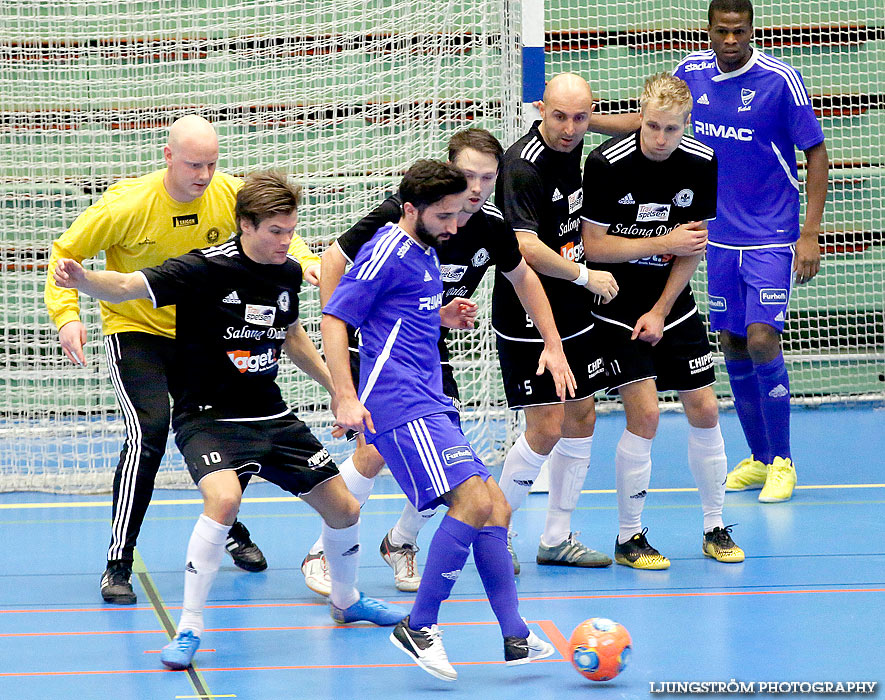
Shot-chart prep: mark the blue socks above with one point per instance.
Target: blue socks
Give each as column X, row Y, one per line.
column 774, row 395
column 446, row 557
column 745, row 389
column 495, row 567
column 762, row 401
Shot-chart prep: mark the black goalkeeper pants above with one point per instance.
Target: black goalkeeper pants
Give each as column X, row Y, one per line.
column 142, row 370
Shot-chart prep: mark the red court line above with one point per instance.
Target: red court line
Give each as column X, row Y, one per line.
column 547, row 626
column 602, row 596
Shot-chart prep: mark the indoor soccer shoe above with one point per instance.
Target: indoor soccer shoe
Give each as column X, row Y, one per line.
column 243, row 550
column 639, row 554
column 719, row 545
column 179, row 653
column 750, row 473
column 425, row 647
column 116, row 584
column 402, row 561
column 510, row 536
column 522, row 650
column 780, row 482
column 571, row 553
column 316, row 573
column 367, row 610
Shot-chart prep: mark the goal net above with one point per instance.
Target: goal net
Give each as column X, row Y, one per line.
column 345, row 95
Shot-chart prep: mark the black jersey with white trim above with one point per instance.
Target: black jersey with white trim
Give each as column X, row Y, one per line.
column 636, row 197
column 232, row 318
column 540, row 191
column 485, row 240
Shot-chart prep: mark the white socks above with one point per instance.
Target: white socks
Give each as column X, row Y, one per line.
column 568, row 464
column 521, row 467
column 205, row 551
column 632, row 476
column 709, row 465
column 342, row 551
column 409, row 525
column 357, row 484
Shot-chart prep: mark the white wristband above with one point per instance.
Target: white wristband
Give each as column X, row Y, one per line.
column 583, row 276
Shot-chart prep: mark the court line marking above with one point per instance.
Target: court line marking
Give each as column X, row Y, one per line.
column 548, row 626
column 599, row 596
column 147, row 583
column 377, row 497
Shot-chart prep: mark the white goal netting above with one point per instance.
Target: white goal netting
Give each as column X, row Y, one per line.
column 345, row 95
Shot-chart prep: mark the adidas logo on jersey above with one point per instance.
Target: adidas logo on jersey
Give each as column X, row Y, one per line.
column 557, row 195
column 703, row 99
column 780, row 316
column 427, row 277
column 232, row 298
column 627, row 199
column 778, row 392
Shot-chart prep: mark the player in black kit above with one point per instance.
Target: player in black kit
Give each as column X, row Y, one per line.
column 638, row 189
column 483, row 239
column 237, row 309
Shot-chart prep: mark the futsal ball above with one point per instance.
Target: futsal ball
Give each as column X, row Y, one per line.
column 600, row 648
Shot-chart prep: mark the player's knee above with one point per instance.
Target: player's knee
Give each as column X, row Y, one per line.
column 368, row 461
column 223, row 506
column 542, row 435
column 763, row 343
column 643, row 420
column 703, row 413
column 345, row 513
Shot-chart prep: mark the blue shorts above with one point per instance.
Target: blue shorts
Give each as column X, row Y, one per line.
column 749, row 285
column 429, row 457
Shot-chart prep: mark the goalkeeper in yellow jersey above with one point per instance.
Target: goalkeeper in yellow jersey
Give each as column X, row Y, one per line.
column 141, row 222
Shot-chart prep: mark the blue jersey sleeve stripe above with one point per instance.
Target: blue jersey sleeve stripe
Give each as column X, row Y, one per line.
column 380, row 361
column 697, row 56
column 780, row 159
column 382, row 250
column 790, row 76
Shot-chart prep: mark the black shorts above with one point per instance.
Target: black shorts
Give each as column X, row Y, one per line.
column 280, row 450
column 681, row 361
column 519, row 364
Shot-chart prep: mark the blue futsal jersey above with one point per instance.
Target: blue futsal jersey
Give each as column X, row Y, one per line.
column 754, row 118
column 393, row 293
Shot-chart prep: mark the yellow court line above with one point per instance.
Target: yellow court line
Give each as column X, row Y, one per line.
column 377, row 497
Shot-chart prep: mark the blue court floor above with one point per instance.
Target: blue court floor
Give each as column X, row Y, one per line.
column 807, row 604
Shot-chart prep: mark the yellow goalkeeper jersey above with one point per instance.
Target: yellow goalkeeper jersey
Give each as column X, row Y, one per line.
column 139, row 225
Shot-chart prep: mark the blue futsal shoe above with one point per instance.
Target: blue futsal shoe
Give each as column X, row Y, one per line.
column 179, row 653
column 367, row 610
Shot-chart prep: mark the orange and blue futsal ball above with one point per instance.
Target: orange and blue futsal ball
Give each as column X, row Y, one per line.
column 600, row 648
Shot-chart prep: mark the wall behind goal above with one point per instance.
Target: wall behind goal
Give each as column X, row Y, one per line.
column 345, row 95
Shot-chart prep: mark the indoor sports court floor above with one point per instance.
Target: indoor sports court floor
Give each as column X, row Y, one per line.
column 806, row 605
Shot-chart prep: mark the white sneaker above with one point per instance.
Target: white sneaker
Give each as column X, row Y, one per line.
column 519, row 650
column 316, row 573
column 426, row 649
column 402, row 561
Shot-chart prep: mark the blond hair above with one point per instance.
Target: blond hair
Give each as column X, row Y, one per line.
column 663, row 91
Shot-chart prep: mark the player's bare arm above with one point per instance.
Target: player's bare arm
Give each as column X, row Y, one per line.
column 300, row 349
column 72, row 337
column 686, row 239
column 350, row 414
column 459, row 313
column 614, row 124
column 531, row 294
column 545, row 261
column 107, row 285
column 806, row 264
column 333, row 265
column 650, row 326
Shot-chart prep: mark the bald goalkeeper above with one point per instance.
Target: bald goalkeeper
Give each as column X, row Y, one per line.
column 140, row 222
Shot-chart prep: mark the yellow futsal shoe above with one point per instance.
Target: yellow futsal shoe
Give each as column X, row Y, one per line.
column 718, row 545
column 749, row 474
column 780, row 482
column 639, row 554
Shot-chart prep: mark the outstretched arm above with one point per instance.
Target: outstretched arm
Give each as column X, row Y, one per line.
column 106, row 285
column 534, row 300
column 300, row 349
